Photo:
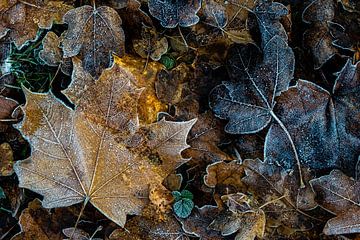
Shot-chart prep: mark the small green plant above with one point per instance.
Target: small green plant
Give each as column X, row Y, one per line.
column 168, row 61
column 183, row 203
column 28, row 69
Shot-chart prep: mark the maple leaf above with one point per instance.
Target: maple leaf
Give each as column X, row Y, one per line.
column 170, row 14
column 21, row 19
column 95, row 167
column 324, row 125
column 340, row 195
column 93, row 34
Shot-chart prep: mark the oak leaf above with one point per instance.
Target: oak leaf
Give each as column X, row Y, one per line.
column 340, row 195
column 95, row 166
column 93, row 35
column 22, row 19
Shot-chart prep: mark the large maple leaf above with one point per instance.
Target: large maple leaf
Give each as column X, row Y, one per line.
column 77, row 157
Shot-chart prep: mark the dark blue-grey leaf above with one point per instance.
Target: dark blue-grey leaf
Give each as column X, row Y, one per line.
column 248, row 103
column 171, row 13
column 268, row 14
column 325, row 127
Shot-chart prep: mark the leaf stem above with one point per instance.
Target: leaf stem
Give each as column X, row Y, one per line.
column 80, row 214
column 302, row 185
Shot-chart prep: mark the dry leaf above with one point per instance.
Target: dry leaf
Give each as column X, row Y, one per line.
column 170, row 14
column 93, row 35
column 151, row 45
column 269, row 182
column 22, row 19
column 6, row 160
column 340, row 195
column 52, row 54
column 94, row 167
column 199, row 220
column 225, row 177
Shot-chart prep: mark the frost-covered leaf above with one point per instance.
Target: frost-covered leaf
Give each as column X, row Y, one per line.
column 319, row 13
column 151, row 45
column 95, row 166
column 324, row 125
column 22, row 19
column 225, row 177
column 268, row 14
column 248, row 104
column 93, row 35
column 340, row 195
column 269, row 182
column 52, row 54
column 173, row 13
column 147, row 229
column 199, row 220
column 246, row 221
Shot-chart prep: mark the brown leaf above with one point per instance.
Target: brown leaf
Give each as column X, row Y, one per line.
column 149, row 104
column 151, row 45
column 199, row 220
column 79, row 234
column 279, row 191
column 225, row 177
column 22, row 19
column 340, row 195
column 52, row 54
column 6, row 112
column 169, row 84
column 93, row 34
column 147, row 229
column 94, row 167
column 6, row 160
column 240, row 218
column 204, row 138
column 37, row 223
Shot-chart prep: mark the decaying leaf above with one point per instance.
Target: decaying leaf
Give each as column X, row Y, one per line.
column 169, row 84
column 93, row 35
column 95, row 167
column 6, row 160
column 319, row 13
column 225, row 177
column 6, row 112
column 21, row 19
column 39, row 223
column 79, row 234
column 324, row 125
column 170, row 14
column 240, row 218
column 340, row 195
column 147, row 229
column 52, row 54
column 199, row 220
column 205, row 138
column 151, row 45
column 272, row 184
